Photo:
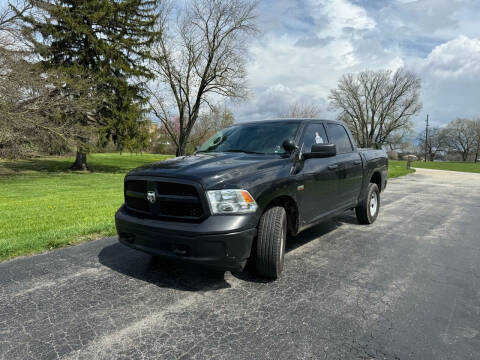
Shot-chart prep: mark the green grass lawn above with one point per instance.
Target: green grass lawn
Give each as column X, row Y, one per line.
column 398, row 168
column 45, row 206
column 449, row 165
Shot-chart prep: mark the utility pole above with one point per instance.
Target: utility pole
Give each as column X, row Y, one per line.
column 426, row 140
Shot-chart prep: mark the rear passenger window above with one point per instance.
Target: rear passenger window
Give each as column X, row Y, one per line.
column 338, row 136
column 314, row 134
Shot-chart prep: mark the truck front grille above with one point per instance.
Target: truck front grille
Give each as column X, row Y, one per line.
column 173, row 201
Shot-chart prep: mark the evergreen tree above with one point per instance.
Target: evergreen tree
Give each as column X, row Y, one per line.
column 110, row 40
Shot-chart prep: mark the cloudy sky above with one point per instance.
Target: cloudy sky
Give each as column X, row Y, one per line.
column 306, row 45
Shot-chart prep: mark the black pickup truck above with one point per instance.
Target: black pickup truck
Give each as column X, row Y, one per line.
column 245, row 189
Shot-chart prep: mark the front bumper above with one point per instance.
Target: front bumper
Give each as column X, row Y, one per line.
column 222, row 242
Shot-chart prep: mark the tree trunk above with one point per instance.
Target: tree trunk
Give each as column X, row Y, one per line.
column 478, row 151
column 182, row 148
column 80, row 163
column 183, row 139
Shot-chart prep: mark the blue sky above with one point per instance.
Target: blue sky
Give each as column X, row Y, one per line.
column 306, row 45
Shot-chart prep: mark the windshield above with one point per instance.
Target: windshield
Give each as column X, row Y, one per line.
column 260, row 138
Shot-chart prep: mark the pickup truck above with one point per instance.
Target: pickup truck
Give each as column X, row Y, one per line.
column 239, row 195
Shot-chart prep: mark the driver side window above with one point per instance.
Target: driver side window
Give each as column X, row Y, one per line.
column 314, row 134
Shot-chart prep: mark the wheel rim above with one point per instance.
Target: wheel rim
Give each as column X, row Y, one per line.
column 373, row 204
column 282, row 244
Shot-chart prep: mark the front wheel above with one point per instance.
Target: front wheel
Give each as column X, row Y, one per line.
column 367, row 210
column 272, row 234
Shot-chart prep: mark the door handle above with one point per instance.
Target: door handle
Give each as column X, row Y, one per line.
column 357, row 162
column 333, row 167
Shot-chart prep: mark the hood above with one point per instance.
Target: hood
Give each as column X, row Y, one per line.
column 211, row 169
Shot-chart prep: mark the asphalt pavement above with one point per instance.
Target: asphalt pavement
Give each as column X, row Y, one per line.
column 406, row 287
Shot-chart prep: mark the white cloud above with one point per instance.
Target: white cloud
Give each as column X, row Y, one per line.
column 451, row 80
column 343, row 15
column 457, row 58
column 308, row 44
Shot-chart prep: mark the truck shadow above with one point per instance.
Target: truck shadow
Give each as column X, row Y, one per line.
column 305, row 237
column 160, row 272
column 190, row 277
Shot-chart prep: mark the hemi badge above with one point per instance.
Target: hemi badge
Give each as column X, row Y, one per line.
column 301, row 187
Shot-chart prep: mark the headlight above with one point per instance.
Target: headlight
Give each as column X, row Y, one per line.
column 231, row 202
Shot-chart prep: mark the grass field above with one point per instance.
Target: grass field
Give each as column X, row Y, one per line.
column 45, row 206
column 398, row 168
column 452, row 166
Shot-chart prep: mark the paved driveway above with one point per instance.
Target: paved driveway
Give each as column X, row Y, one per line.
column 407, row 287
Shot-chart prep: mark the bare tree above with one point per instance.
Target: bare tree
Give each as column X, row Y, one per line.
column 35, row 110
column 476, row 129
column 301, row 110
column 438, row 141
column 10, row 15
column 11, row 12
column 399, row 140
column 376, row 103
column 209, row 123
column 462, row 136
column 199, row 57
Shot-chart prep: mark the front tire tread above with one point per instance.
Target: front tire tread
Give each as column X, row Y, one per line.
column 270, row 239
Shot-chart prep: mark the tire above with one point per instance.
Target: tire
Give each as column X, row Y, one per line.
column 271, row 238
column 367, row 210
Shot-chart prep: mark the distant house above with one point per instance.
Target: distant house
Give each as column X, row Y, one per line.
column 412, row 157
column 392, row 155
column 153, row 127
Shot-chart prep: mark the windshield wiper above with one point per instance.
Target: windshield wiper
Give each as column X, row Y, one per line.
column 244, row 151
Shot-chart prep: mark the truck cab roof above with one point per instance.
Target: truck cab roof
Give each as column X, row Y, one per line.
column 296, row 120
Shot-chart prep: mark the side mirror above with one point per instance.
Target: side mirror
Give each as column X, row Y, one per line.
column 321, row 151
column 289, row 145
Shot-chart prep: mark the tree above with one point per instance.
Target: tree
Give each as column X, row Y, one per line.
column 462, row 136
column 199, row 57
column 476, row 129
column 218, row 117
column 10, row 19
column 377, row 103
column 39, row 109
column 11, row 13
column 438, row 140
column 301, row 110
column 400, row 140
column 110, row 41
column 209, row 123
column 36, row 113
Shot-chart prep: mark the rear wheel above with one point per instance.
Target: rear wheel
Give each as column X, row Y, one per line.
column 367, row 210
column 272, row 234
